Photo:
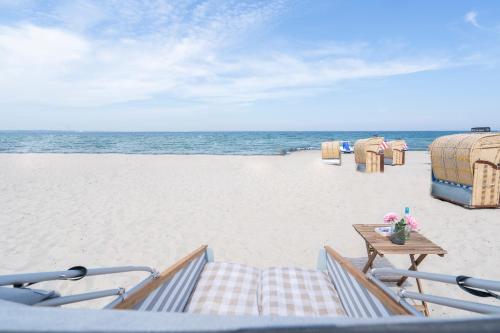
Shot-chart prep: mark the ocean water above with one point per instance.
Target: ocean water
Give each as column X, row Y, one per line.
column 216, row 143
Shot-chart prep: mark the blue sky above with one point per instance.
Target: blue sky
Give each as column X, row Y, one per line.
column 257, row 65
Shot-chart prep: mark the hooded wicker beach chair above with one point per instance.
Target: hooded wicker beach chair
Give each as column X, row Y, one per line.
column 466, row 169
column 338, row 289
column 395, row 153
column 368, row 155
column 330, row 152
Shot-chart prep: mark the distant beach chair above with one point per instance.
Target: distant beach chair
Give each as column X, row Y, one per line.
column 198, row 285
column 466, row 169
column 346, row 148
column 330, row 153
column 394, row 154
column 369, row 155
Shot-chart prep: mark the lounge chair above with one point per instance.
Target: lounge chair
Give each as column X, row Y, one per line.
column 199, row 286
column 330, row 153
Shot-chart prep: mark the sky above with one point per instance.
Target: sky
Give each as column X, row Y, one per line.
column 123, row 65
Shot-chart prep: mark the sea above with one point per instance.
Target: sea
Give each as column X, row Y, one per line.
column 186, row 143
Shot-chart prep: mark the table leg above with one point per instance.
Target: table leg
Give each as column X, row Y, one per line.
column 414, row 267
column 371, row 258
column 369, row 248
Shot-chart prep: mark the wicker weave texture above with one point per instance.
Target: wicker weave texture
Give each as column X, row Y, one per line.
column 374, row 162
column 453, row 156
column 394, row 145
column 362, row 146
column 486, row 188
column 398, row 157
column 330, row 150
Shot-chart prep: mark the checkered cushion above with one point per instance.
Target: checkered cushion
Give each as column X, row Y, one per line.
column 298, row 292
column 225, row 288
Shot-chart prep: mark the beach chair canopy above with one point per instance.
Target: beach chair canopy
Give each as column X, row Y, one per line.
column 362, row 146
column 453, row 156
column 330, row 150
column 396, row 144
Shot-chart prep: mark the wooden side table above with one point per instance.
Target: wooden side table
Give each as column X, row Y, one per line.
column 417, row 245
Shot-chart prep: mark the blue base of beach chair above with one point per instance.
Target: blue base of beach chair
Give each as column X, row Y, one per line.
column 454, row 193
column 387, row 161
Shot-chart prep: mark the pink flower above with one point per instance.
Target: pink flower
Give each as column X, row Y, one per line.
column 412, row 222
column 391, row 218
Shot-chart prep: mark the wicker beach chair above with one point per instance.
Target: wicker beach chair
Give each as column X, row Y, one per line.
column 346, row 148
column 395, row 153
column 466, row 169
column 368, row 155
column 234, row 289
column 330, row 153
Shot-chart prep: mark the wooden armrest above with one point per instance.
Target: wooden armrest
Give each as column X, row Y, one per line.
column 139, row 295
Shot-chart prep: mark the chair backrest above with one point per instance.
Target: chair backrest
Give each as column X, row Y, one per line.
column 170, row 292
column 359, row 296
column 173, row 295
column 330, row 150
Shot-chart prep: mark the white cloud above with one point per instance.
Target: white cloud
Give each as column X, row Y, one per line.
column 189, row 52
column 471, row 18
column 36, row 46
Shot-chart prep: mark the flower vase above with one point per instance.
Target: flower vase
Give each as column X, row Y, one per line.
column 399, row 235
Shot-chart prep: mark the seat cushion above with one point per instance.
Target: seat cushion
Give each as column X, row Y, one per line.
column 226, row 288
column 298, row 292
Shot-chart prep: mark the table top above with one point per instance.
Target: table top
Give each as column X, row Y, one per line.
column 417, row 244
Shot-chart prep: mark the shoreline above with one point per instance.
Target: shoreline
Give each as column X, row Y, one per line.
column 187, row 154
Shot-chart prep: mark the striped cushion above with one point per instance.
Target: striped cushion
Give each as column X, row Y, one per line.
column 173, row 295
column 298, row 292
column 358, row 302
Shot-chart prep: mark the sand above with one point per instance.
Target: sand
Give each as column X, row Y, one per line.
column 58, row 211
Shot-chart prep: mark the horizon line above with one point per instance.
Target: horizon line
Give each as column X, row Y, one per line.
column 225, row 131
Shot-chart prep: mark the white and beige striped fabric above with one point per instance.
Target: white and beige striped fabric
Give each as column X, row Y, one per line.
column 358, row 302
column 298, row 292
column 173, row 295
column 226, row 289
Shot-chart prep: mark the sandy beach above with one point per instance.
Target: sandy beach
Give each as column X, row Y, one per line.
column 59, row 211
